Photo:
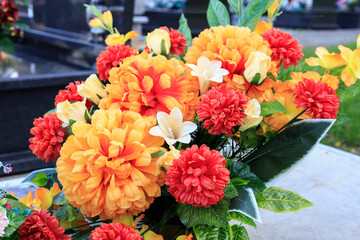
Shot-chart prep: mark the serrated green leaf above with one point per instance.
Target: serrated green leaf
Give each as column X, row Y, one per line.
column 281, row 201
column 230, row 191
column 205, row 232
column 185, row 30
column 214, row 215
column 60, row 199
column 242, row 170
column 245, row 203
column 217, row 14
column 239, row 232
column 66, row 213
column 94, row 10
column 287, row 149
column 236, row 5
column 241, row 218
column 40, row 179
column 252, row 13
column 272, row 107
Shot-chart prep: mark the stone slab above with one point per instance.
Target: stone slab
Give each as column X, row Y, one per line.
column 329, row 178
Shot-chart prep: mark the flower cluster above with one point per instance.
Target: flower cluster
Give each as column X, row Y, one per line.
column 126, row 140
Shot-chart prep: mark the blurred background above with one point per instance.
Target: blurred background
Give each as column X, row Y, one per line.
column 59, row 47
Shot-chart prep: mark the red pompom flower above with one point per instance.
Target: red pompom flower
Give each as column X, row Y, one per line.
column 198, row 177
column 285, row 49
column 112, row 57
column 116, row 231
column 222, row 108
column 177, row 40
column 320, row 99
column 71, row 94
column 48, row 137
column 8, row 12
column 41, row 225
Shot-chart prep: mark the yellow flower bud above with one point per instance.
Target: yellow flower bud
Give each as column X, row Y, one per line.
column 158, row 41
column 272, row 9
column 75, row 111
column 92, row 89
column 117, row 38
column 253, row 118
column 256, row 67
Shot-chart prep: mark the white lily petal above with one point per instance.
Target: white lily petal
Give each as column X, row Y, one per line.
column 187, row 128
column 170, row 141
column 184, row 139
column 157, row 131
column 192, row 66
column 164, row 120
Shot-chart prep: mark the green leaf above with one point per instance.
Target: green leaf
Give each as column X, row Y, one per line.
column 236, row 5
column 217, row 14
column 87, row 117
column 157, row 154
column 6, row 44
column 239, row 182
column 204, row 232
column 185, row 30
column 60, row 199
column 281, row 201
column 287, row 149
column 239, row 232
column 94, row 10
column 242, row 171
column 214, row 215
column 66, row 213
column 21, row 24
column 71, row 122
column 40, row 179
column 245, row 203
column 230, row 191
column 164, row 50
column 241, row 218
column 345, row 92
column 252, row 13
column 272, row 107
column 271, row 76
column 15, row 220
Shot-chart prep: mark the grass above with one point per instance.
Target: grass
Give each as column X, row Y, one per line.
column 345, row 133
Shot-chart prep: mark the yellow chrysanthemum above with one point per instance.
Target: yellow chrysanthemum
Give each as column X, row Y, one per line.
column 150, row 84
column 106, row 167
column 232, row 45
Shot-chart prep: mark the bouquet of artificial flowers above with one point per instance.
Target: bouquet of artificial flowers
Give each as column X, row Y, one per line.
column 184, row 139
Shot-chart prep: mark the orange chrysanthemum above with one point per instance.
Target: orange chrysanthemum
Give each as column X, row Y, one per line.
column 41, row 225
column 116, row 231
column 48, row 137
column 106, row 167
column 150, row 84
column 233, row 45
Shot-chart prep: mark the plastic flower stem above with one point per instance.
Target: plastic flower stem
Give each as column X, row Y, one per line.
column 248, row 89
column 292, row 120
column 82, row 225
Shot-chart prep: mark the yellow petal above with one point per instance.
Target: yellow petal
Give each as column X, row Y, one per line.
column 28, row 200
column 126, row 219
column 348, row 77
column 43, row 198
column 313, row 61
column 263, row 27
column 107, row 18
column 272, row 9
column 96, row 23
column 358, row 41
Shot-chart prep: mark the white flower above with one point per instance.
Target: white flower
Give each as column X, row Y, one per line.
column 172, row 128
column 4, row 221
column 67, row 111
column 207, row 71
column 253, row 118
